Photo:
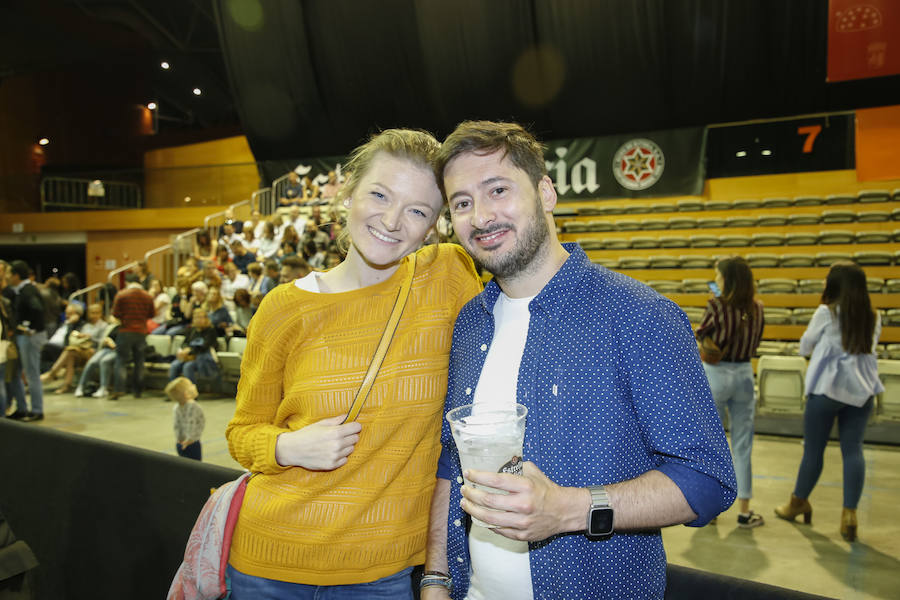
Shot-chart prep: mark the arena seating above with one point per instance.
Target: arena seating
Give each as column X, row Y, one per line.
column 790, row 242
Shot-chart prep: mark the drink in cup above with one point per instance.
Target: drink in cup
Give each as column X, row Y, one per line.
column 489, row 437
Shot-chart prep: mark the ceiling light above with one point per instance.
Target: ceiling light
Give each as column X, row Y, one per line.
column 43, row 141
column 741, row 153
column 766, row 153
column 151, row 105
column 164, row 65
column 197, row 91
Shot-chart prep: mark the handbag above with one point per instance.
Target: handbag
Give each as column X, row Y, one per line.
column 201, row 576
column 710, row 353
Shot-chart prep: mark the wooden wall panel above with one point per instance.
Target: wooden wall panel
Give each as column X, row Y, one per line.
column 212, row 173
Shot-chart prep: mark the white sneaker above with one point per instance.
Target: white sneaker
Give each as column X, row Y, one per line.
column 79, row 392
column 101, row 393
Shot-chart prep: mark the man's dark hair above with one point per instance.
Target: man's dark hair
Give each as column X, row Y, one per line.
column 20, row 268
column 132, row 278
column 487, row 137
column 272, row 265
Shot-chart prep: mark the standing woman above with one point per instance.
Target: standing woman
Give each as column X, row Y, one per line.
column 344, row 506
column 734, row 323
column 841, row 382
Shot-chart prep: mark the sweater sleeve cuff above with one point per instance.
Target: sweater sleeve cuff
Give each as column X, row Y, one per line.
column 264, row 451
column 706, row 495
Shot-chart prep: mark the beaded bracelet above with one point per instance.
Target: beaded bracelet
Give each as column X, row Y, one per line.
column 433, row 578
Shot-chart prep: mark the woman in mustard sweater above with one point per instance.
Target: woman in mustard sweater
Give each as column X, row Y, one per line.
column 345, row 507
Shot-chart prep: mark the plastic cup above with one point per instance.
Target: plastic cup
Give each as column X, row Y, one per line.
column 489, row 437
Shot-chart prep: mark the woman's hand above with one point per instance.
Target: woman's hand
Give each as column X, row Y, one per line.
column 322, row 446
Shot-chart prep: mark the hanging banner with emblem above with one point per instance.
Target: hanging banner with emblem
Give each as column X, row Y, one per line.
column 638, row 165
column 862, row 39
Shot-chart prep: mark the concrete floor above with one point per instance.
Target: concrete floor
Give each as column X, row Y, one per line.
column 812, row 558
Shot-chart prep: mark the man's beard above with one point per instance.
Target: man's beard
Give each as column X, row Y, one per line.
column 522, row 255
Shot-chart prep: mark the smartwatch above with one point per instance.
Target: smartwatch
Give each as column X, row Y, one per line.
column 600, row 515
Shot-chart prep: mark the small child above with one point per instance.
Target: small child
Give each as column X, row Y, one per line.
column 189, row 420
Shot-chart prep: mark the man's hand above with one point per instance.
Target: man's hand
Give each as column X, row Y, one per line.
column 182, row 354
column 534, row 509
column 322, row 446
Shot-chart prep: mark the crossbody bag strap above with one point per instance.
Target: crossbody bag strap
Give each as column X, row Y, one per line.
column 383, row 345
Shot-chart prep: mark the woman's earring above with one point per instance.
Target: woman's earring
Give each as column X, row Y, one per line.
column 346, row 202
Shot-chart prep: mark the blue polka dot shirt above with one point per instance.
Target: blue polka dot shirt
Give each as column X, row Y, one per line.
column 614, row 388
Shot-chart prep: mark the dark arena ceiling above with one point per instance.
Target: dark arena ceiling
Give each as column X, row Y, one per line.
column 313, row 77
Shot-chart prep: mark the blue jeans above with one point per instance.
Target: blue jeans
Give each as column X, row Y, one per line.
column 203, row 366
column 104, row 359
column 732, row 390
column 818, row 419
column 130, row 347
column 194, row 451
column 393, row 587
column 30, row 356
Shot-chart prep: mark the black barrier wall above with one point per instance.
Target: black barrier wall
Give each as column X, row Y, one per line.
column 109, row 521
column 105, row 520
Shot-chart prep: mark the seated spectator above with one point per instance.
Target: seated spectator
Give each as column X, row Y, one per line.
column 314, row 256
column 143, row 273
column 288, row 250
column 211, row 274
column 256, row 221
column 80, row 344
column 255, row 299
column 268, row 242
column 183, row 305
column 310, row 191
column 251, row 242
column 175, row 316
column 241, row 257
column 197, row 355
column 104, row 359
column 237, row 225
column 314, row 234
column 289, row 234
column 255, row 275
column 217, row 312
column 53, row 349
column 204, row 247
column 271, row 278
column 293, row 191
column 293, row 267
column 190, row 270
column 233, row 281
column 229, row 236
column 161, row 304
column 223, row 256
column 243, row 312
column 296, row 220
column 330, row 189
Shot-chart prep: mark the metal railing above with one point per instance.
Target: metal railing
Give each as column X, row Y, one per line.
column 86, row 291
column 182, row 248
column 74, row 193
column 263, row 200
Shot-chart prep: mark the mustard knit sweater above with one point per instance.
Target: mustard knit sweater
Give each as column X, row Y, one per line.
column 305, row 358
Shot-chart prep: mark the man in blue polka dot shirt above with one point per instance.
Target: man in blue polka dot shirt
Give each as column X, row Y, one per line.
column 622, row 436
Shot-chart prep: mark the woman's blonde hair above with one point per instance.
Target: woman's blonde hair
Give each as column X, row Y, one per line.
column 417, row 146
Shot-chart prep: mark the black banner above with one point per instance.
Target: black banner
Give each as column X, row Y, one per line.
column 638, row 165
column 794, row 146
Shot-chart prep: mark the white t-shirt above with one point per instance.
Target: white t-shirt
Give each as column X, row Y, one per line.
column 500, row 566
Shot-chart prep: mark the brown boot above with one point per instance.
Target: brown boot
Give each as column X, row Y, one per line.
column 796, row 506
column 848, row 524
